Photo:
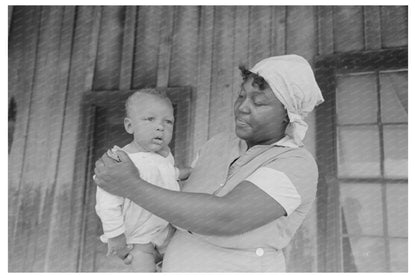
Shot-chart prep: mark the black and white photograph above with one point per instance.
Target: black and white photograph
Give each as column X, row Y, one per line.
column 208, row 138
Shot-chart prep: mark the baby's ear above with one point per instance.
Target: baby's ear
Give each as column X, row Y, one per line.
column 128, row 125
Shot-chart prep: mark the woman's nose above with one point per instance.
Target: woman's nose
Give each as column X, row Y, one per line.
column 243, row 106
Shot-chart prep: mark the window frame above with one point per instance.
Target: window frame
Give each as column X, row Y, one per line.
column 328, row 193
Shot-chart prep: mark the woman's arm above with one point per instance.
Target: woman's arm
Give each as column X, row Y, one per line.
column 244, row 208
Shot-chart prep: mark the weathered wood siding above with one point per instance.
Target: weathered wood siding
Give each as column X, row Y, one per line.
column 56, row 54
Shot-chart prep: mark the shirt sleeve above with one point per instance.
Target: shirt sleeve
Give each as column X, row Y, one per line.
column 110, row 210
column 278, row 186
column 291, row 180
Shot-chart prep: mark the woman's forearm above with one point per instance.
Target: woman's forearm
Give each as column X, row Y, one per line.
column 242, row 210
column 196, row 212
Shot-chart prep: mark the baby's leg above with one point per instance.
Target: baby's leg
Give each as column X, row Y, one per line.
column 143, row 258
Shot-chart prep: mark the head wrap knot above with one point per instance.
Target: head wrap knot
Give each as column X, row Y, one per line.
column 292, row 81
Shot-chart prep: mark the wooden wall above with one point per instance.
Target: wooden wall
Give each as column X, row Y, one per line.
column 56, row 54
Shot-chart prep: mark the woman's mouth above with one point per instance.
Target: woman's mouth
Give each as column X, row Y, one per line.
column 241, row 123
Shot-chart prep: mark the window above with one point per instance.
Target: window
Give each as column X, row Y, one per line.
column 362, row 148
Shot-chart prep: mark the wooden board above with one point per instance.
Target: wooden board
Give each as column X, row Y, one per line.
column 394, row 26
column 184, row 59
column 127, row 52
column 146, row 47
column 348, row 28
column 165, row 45
column 107, row 69
column 57, row 102
column 64, row 247
column 41, row 141
column 325, row 30
column 221, row 112
column 204, row 74
column 301, row 34
column 241, row 41
column 278, row 39
column 372, row 27
column 24, row 46
column 260, row 18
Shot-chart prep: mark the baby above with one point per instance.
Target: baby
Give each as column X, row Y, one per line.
column 131, row 232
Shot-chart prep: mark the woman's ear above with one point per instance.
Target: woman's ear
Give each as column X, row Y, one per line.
column 128, row 126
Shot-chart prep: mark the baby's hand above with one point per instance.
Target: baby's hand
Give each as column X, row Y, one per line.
column 117, row 246
column 113, row 153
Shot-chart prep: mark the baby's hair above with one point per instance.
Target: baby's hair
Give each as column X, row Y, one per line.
column 150, row 91
column 257, row 79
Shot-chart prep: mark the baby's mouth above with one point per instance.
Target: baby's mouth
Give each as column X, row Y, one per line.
column 157, row 140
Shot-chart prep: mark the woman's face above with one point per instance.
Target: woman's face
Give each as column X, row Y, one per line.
column 259, row 115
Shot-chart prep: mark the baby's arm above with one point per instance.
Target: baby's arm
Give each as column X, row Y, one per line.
column 109, row 208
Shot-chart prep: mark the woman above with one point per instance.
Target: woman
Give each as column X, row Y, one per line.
column 247, row 195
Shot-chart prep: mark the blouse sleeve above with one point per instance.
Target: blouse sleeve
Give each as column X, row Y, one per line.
column 290, row 180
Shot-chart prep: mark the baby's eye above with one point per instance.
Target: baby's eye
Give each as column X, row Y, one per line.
column 169, row 122
column 150, row 119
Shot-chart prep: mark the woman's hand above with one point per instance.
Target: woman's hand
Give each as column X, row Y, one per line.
column 117, row 178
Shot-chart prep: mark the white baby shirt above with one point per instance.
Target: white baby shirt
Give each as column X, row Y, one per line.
column 120, row 215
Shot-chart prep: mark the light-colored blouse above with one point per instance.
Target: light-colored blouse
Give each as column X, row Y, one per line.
column 285, row 172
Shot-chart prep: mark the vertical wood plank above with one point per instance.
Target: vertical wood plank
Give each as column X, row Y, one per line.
column 168, row 18
column 10, row 14
column 126, row 67
column 184, row 60
column 146, row 52
column 372, row 27
column 278, row 29
column 183, row 69
column 203, row 85
column 40, row 139
column 241, row 41
column 63, row 246
column 301, row 32
column 325, row 30
column 329, row 252
column 23, row 48
column 259, row 35
column 394, row 26
column 348, row 28
column 221, row 112
column 107, row 71
column 301, row 40
column 57, row 103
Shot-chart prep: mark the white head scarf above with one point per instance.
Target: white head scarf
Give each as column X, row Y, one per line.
column 292, row 81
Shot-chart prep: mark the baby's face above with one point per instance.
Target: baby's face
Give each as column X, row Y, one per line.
column 151, row 122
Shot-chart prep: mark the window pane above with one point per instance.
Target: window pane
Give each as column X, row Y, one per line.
column 394, row 96
column 356, row 97
column 395, row 151
column 367, row 254
column 397, row 209
column 362, row 209
column 358, row 151
column 398, row 255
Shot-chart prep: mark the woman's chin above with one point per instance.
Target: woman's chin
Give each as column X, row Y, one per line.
column 242, row 133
